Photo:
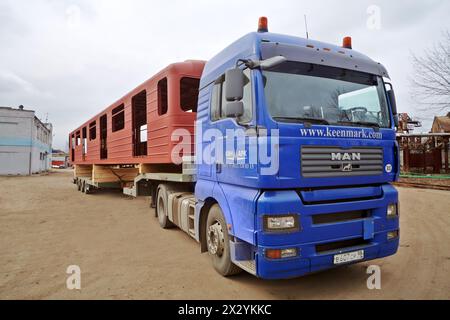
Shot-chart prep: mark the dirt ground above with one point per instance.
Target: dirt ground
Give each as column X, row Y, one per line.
column 427, row 181
column 46, row 225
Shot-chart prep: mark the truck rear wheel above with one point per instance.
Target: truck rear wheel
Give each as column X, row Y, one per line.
column 162, row 207
column 218, row 243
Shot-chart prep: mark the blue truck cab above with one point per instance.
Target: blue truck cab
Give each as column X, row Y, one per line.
column 296, row 153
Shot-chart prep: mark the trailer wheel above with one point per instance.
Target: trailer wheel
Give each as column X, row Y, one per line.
column 79, row 185
column 87, row 189
column 83, row 187
column 161, row 207
column 218, row 243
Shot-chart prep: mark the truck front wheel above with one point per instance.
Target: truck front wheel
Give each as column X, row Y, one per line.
column 218, row 243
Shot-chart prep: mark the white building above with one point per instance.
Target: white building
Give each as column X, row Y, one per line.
column 25, row 142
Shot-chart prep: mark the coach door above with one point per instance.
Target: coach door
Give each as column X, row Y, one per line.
column 139, row 109
column 103, row 137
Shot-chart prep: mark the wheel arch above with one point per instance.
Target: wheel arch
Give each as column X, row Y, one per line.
column 203, row 215
column 219, row 198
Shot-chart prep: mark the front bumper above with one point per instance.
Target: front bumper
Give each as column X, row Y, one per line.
column 309, row 263
column 372, row 231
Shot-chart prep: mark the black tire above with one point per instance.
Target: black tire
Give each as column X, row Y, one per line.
column 83, row 187
column 221, row 259
column 79, row 185
column 162, row 207
column 87, row 189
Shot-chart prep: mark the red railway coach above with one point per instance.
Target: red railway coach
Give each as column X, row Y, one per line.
column 137, row 128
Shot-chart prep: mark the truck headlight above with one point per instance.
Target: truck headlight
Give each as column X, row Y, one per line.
column 281, row 223
column 392, row 210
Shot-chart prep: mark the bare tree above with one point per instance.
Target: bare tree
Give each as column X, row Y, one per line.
column 431, row 80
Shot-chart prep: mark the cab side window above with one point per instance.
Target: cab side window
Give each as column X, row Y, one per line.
column 218, row 100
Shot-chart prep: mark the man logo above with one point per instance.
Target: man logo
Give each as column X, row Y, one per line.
column 355, row 156
column 347, row 167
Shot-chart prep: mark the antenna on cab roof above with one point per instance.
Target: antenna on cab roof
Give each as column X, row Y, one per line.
column 306, row 27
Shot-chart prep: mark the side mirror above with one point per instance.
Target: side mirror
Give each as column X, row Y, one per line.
column 272, row 62
column 266, row 64
column 234, row 84
column 393, row 102
column 234, row 109
column 396, row 123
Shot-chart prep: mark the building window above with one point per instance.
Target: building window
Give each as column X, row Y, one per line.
column 189, row 94
column 162, row 97
column 92, row 131
column 118, row 118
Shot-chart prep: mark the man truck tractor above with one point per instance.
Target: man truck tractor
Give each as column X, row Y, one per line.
column 277, row 155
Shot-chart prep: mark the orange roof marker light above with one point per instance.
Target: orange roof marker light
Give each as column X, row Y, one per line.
column 263, row 25
column 347, row 43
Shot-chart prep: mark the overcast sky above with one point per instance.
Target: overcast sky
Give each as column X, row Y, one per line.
column 71, row 59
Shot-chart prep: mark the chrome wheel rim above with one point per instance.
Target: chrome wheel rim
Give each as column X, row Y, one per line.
column 215, row 239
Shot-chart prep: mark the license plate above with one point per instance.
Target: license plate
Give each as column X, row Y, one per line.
column 349, row 257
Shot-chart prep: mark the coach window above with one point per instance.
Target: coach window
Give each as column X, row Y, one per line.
column 72, row 149
column 93, row 131
column 189, row 94
column 118, row 118
column 139, row 123
column 218, row 99
column 162, row 97
column 78, row 138
column 84, row 135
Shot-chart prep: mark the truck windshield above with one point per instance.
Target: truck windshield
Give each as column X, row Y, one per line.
column 303, row 92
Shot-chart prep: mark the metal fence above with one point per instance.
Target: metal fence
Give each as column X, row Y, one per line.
column 424, row 153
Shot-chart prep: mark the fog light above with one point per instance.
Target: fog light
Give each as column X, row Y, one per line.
column 281, row 253
column 281, row 223
column 392, row 235
column 392, row 211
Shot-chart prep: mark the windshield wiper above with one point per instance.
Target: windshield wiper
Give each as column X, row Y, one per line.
column 361, row 123
column 297, row 119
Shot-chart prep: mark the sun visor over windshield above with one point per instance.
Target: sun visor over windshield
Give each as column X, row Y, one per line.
column 344, row 59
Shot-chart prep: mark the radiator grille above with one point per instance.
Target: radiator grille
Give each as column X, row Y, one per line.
column 324, row 162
